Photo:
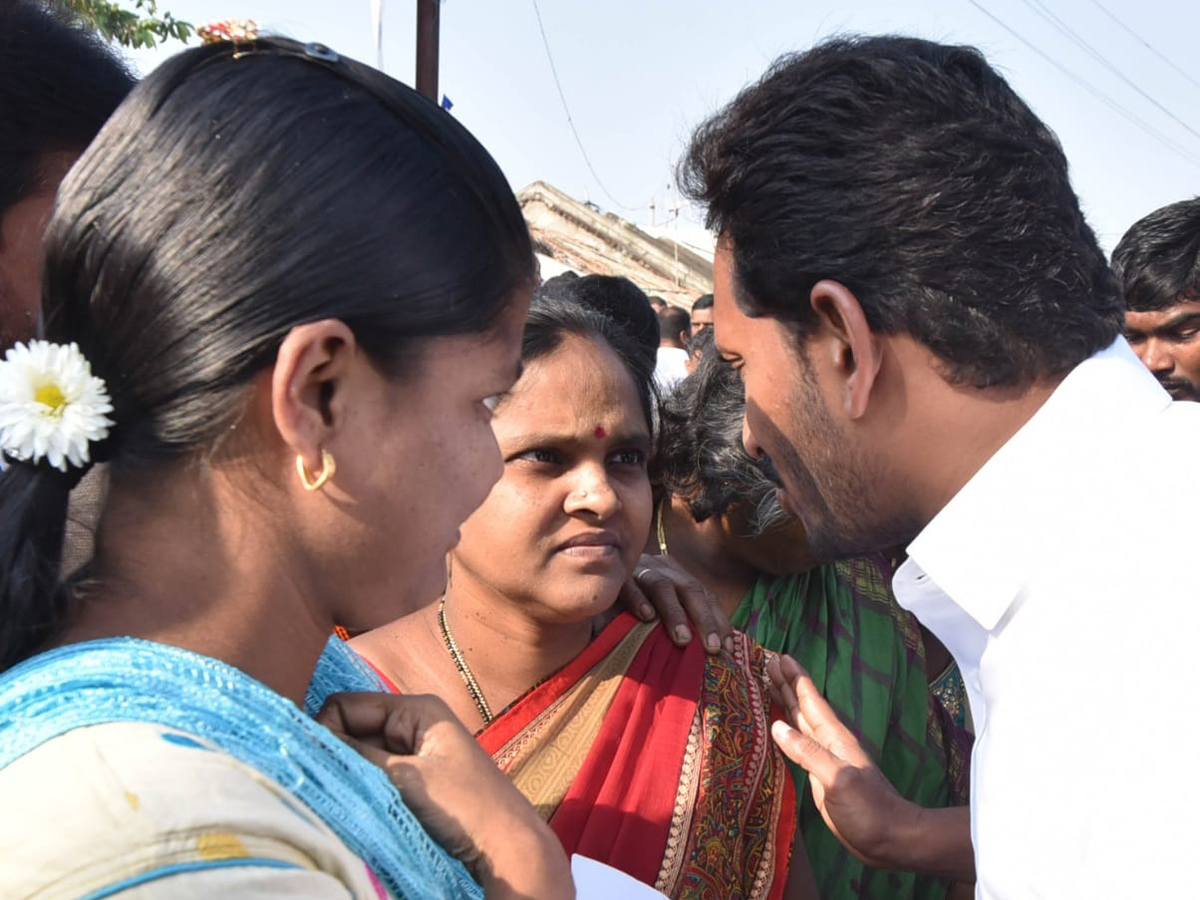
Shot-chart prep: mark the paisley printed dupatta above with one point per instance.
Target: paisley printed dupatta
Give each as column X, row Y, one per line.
column 657, row 760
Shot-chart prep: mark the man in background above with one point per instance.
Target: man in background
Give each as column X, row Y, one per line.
column 58, row 86
column 1158, row 264
column 702, row 313
column 673, row 330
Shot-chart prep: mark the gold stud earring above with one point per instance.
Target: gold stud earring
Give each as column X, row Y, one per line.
column 328, row 467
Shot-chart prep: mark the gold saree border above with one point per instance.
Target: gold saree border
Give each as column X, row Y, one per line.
column 543, row 759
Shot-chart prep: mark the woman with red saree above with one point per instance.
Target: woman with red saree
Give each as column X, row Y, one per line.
column 652, row 758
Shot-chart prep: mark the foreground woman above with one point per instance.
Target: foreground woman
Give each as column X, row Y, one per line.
column 651, row 758
column 274, row 296
column 720, row 519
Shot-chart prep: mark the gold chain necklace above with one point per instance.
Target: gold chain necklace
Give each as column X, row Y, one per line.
column 464, row 670
column 662, row 532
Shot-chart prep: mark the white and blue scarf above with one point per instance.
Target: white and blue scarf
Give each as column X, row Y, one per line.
column 129, row 680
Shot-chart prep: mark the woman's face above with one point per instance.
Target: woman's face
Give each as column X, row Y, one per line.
column 420, row 459
column 562, row 529
column 780, row 550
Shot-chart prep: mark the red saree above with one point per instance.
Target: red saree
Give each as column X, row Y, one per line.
column 658, row 761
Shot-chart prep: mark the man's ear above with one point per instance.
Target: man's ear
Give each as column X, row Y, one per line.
column 309, row 386
column 851, row 349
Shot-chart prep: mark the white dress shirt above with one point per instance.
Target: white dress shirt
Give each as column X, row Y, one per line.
column 1064, row 578
column 671, row 367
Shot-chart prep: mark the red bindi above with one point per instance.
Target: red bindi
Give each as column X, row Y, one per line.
column 600, row 432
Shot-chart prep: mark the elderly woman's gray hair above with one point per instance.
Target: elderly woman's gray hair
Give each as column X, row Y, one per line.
column 700, row 454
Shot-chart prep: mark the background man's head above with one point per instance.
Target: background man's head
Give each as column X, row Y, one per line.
column 58, row 85
column 909, row 179
column 658, row 304
column 1158, row 265
column 673, row 327
column 702, row 313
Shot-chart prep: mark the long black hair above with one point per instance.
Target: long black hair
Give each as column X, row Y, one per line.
column 242, row 190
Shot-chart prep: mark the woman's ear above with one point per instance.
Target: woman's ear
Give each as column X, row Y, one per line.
column 852, row 351
column 309, row 387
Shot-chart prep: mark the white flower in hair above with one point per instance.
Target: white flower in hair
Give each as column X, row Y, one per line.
column 51, row 405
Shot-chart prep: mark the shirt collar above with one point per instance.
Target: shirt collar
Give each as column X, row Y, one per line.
column 980, row 548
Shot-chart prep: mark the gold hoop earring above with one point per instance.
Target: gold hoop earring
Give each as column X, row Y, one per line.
column 328, row 467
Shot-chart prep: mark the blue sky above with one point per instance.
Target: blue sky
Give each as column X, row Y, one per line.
column 639, row 74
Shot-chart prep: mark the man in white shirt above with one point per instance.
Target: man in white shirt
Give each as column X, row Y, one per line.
column 671, row 365
column 929, row 337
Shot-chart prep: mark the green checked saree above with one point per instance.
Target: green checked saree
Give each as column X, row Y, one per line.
column 842, row 624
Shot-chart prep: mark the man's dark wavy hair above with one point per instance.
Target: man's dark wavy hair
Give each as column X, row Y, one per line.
column 911, row 173
column 1158, row 259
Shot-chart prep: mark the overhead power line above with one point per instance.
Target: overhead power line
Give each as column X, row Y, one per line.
column 1145, row 43
column 1048, row 14
column 570, row 121
column 1098, row 94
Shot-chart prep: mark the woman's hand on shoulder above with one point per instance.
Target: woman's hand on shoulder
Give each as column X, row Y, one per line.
column 661, row 587
column 456, row 791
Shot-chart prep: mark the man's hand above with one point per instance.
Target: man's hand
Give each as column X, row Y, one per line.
column 856, row 801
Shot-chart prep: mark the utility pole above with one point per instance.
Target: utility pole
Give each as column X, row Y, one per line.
column 377, row 26
column 427, row 47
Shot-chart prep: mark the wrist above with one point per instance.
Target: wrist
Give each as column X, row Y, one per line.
column 935, row 841
column 524, row 860
column 905, row 831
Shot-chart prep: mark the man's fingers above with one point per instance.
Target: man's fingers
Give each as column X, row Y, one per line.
column 783, row 690
column 822, row 723
column 806, row 752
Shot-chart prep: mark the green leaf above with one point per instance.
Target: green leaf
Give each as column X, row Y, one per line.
column 129, row 27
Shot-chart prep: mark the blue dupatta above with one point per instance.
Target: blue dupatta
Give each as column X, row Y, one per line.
column 339, row 669
column 129, row 680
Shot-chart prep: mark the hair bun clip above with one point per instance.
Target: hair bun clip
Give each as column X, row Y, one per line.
column 321, row 52
column 230, row 31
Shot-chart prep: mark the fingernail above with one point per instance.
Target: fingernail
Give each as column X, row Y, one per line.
column 780, row 730
column 729, row 643
column 713, row 643
column 682, row 634
column 646, row 611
